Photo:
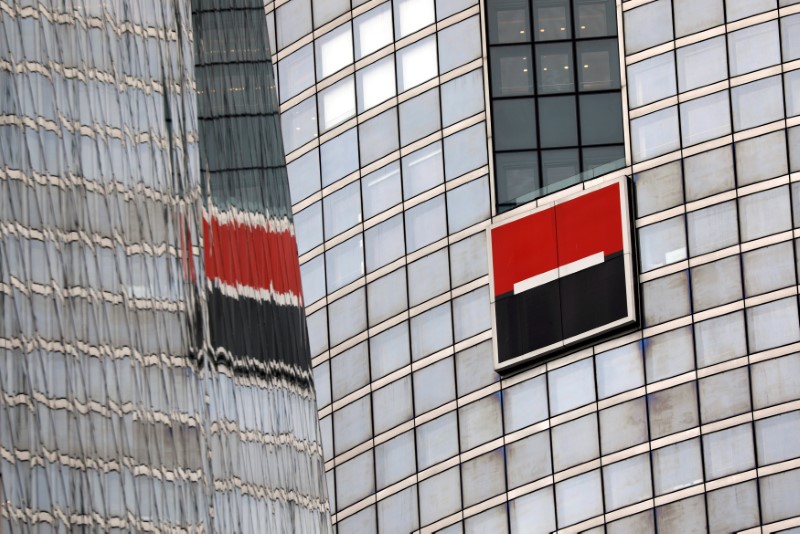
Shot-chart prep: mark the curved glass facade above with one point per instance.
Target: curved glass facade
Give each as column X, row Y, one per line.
column 154, row 369
column 686, row 423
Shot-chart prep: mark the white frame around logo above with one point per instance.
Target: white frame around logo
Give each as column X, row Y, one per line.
column 627, row 254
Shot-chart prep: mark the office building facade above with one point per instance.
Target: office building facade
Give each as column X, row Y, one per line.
column 413, row 126
column 154, row 364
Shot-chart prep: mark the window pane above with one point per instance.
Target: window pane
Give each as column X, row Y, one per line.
column 773, row 324
column 378, row 136
column 560, row 169
column 339, row 157
column 627, row 482
column 312, row 274
column 411, row 15
column 705, row 118
column 662, row 243
column 434, row 386
column 554, row 68
column 768, row 269
column 462, row 97
column 525, row 404
column 720, row 339
column 552, row 20
column 739, row 10
column 342, row 210
column 648, row 25
column 468, row 204
column 579, row 498
column 480, row 422
column 571, row 386
column 422, row 170
column 521, row 469
column 668, row 354
column 778, row 438
column 535, row 508
column 296, row 72
column 672, row 410
column 425, row 223
column 389, row 351
column 757, row 103
column 381, row 189
column 623, row 425
column 558, row 121
column 716, row 283
column 387, row 296
column 692, row 16
column 416, row 63
column 384, row 243
column 431, row 331
column 399, row 511
column 508, row 21
column 776, row 381
column 789, row 35
column 471, row 313
column 655, row 134
column 754, row 48
column 352, row 424
column 465, row 151
column 337, row 103
column 327, row 10
column 598, row 65
column 658, row 189
column 373, row 30
column 651, row 80
column 601, row 119
column 349, row 371
column 299, row 125
column 734, row 508
column 594, row 18
column 459, row 44
column 575, row 442
column 517, row 178
column 308, row 228
column 355, row 479
column 708, row 173
column 394, row 460
column 681, row 516
column 294, row 21
column 303, row 173
column 437, row 440
column 765, row 213
column 761, row 158
column 428, row 277
column 334, row 50
column 419, row 117
column 514, row 124
column 724, row 395
column 375, row 83
column 345, row 263
column 713, row 228
column 702, row 64
column 666, row 298
column 677, row 466
column 619, row 370
column 483, row 477
column 512, row 71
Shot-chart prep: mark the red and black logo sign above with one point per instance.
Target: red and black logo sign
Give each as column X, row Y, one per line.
column 562, row 274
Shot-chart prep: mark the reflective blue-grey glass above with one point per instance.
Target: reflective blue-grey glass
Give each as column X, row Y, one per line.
column 598, row 65
column 509, row 21
column 514, row 124
column 558, row 121
column 512, row 70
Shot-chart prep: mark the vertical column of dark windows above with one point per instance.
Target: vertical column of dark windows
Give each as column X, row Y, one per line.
column 555, row 95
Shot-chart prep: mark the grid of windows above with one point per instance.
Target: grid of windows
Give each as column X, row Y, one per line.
column 689, row 422
column 555, row 87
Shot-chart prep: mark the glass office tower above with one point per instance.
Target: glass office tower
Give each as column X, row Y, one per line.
column 154, row 364
column 396, row 127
